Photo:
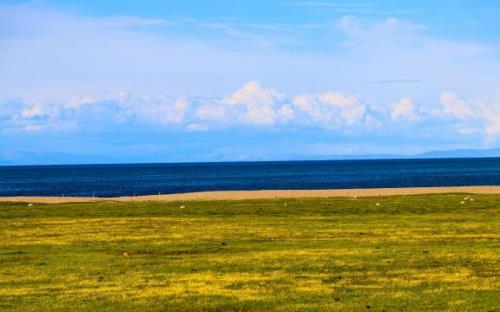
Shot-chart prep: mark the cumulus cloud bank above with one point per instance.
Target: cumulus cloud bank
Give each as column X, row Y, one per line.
column 253, row 105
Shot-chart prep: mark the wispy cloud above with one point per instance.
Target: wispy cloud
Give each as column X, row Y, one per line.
column 363, row 8
column 390, row 81
column 323, row 4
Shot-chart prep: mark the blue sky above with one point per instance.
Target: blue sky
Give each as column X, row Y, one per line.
column 132, row 81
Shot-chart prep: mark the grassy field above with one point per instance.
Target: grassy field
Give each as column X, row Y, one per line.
column 425, row 252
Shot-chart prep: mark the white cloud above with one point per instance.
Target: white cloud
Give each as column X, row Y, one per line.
column 211, row 110
column 257, row 105
column 350, row 107
column 391, row 32
column 492, row 115
column 481, row 112
column 404, row 109
column 178, row 112
column 331, row 110
column 36, row 110
column 252, row 105
column 76, row 102
column 457, row 107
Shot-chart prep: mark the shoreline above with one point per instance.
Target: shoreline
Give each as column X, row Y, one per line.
column 261, row 194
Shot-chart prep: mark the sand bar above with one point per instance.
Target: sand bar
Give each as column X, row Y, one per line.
column 239, row 195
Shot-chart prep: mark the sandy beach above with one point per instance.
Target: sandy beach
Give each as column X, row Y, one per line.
column 263, row 194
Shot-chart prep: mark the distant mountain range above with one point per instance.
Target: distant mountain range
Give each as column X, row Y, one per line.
column 462, row 153
column 458, row 153
column 28, row 158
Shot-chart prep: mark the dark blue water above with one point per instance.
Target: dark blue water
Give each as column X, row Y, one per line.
column 146, row 179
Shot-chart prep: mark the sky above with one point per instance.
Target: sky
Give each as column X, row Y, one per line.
column 181, row 81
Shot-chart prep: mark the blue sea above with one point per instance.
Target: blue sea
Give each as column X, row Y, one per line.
column 148, row 179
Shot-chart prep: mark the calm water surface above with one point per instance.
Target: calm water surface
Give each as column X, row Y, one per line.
column 147, row 179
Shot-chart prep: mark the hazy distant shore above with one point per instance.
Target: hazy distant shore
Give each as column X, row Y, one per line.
column 264, row 194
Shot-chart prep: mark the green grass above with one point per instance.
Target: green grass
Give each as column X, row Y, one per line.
column 426, row 252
